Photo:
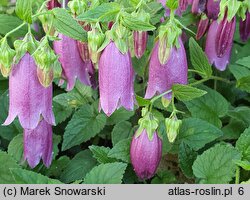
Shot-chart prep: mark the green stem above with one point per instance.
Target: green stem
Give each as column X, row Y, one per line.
column 157, row 97
column 14, row 30
column 237, row 175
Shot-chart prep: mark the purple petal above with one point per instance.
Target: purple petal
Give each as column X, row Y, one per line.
column 213, row 9
column 245, row 28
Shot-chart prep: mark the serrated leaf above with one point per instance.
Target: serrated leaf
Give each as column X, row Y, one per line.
column 216, row 165
column 243, row 144
column 15, row 148
column 7, row 163
column 110, row 173
column 244, row 83
column 186, row 92
column 121, row 150
column 22, row 176
column 105, row 12
column 24, row 10
column 101, row 154
column 196, row 133
column 186, row 156
column 121, row 131
column 241, row 113
column 199, row 59
column 68, row 26
column 210, row 107
column 86, row 123
column 61, row 112
column 120, row 115
column 78, row 167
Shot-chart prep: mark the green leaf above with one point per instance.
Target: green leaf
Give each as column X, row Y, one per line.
column 24, row 10
column 105, row 12
column 121, row 131
column 186, row 92
column 199, row 59
column 244, row 61
column 7, row 163
column 186, row 156
column 121, row 150
column 15, row 148
column 210, row 107
column 243, row 144
column 110, row 173
column 8, row 23
column 244, row 164
column 196, row 133
column 101, row 154
column 78, row 167
column 244, row 83
column 135, row 24
column 23, row 176
column 61, row 112
column 164, row 177
column 141, row 101
column 68, row 26
column 241, row 113
column 86, row 123
column 216, row 166
column 120, row 115
column 239, row 71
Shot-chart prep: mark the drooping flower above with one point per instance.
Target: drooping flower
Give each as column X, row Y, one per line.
column 29, row 100
column 72, row 64
column 145, row 154
column 162, row 77
column 202, row 27
column 199, row 6
column 38, row 144
column 245, row 28
column 213, row 9
column 219, row 42
column 116, row 77
column 140, row 43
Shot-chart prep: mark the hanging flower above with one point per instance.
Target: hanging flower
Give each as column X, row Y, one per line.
column 28, row 98
column 140, row 43
column 115, row 80
column 245, row 28
column 199, row 6
column 213, row 9
column 162, row 77
column 72, row 64
column 38, row 144
column 145, row 154
column 202, row 27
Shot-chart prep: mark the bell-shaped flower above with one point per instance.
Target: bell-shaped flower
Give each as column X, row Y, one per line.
column 38, row 144
column 219, row 42
column 199, row 6
column 162, row 77
column 245, row 28
column 140, row 43
column 28, row 98
column 145, row 154
column 70, row 59
column 202, row 27
column 213, row 9
column 116, row 78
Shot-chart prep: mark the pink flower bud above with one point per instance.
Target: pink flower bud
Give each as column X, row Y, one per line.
column 219, row 42
column 72, row 64
column 245, row 28
column 38, row 144
column 140, row 43
column 145, row 154
column 116, row 77
column 162, row 77
column 83, row 50
column 202, row 28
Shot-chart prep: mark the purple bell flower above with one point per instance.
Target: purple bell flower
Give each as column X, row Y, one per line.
column 199, row 6
column 145, row 154
column 140, row 43
column 38, row 144
column 72, row 64
column 245, row 28
column 202, row 28
column 28, row 98
column 116, row 77
column 219, row 42
column 213, row 9
column 162, row 77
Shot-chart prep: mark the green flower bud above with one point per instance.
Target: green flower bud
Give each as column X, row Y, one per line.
column 95, row 40
column 6, row 58
column 77, row 7
column 172, row 128
column 165, row 102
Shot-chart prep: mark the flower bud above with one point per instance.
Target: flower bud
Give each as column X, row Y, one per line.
column 53, row 4
column 245, row 28
column 198, row 6
column 140, row 43
column 83, row 50
column 77, row 7
column 213, row 9
column 95, row 40
column 116, row 77
column 38, row 144
column 202, row 27
column 6, row 58
column 145, row 154
column 172, row 128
